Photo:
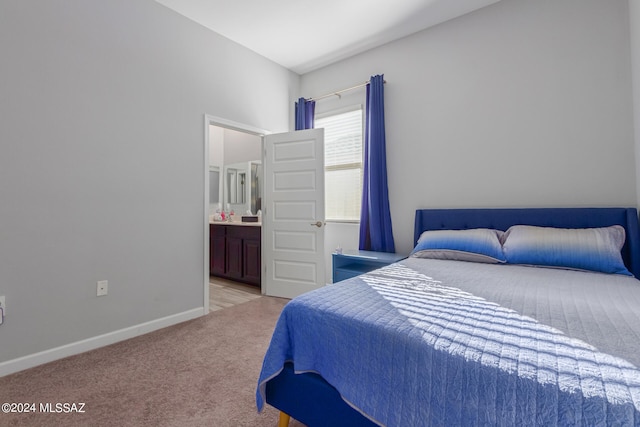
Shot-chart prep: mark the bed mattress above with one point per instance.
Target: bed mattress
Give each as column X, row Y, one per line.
column 431, row 342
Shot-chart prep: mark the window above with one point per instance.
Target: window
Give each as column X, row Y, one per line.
column 342, row 164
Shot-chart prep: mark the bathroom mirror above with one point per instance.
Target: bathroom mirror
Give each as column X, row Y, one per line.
column 242, row 187
column 233, row 172
column 256, row 186
column 214, row 185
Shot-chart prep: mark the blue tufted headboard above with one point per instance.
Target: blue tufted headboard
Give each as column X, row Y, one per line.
column 502, row 219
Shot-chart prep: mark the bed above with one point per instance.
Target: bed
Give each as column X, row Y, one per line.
column 447, row 341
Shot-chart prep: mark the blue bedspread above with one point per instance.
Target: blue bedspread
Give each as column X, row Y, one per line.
column 469, row 348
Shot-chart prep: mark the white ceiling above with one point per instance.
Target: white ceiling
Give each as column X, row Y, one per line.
column 303, row 35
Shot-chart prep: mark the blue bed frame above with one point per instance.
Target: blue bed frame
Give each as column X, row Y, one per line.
column 311, row 400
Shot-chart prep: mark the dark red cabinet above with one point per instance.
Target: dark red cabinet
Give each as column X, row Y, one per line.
column 235, row 252
column 234, row 257
column 252, row 261
column 217, row 244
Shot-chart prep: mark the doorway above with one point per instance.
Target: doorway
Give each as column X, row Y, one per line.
column 233, row 152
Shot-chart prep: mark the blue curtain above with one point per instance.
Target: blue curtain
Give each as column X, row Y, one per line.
column 375, row 218
column 304, row 114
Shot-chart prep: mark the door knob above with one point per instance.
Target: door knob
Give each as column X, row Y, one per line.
column 317, row 224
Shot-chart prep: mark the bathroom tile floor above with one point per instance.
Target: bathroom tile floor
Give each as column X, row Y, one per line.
column 227, row 293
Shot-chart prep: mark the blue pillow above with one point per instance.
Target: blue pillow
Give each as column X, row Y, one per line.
column 594, row 249
column 475, row 245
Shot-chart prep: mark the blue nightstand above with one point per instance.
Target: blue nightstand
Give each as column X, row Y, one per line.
column 353, row 263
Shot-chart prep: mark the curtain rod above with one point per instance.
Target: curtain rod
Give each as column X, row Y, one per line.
column 338, row 92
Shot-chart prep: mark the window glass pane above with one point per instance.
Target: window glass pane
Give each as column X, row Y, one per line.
column 343, row 189
column 343, row 164
column 342, row 138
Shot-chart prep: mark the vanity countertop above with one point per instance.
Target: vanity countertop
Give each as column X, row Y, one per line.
column 249, row 224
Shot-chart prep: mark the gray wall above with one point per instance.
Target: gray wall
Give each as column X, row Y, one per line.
column 634, row 19
column 102, row 161
column 523, row 103
column 241, row 147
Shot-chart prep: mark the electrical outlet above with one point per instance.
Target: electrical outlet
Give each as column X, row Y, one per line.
column 103, row 288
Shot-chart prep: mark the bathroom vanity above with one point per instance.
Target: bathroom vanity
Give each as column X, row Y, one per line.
column 234, row 251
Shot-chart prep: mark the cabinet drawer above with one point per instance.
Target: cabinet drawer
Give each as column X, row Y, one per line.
column 339, row 275
column 243, row 232
column 217, row 230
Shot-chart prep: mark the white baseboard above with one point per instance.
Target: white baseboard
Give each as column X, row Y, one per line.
column 25, row 362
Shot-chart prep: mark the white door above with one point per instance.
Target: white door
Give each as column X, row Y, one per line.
column 293, row 218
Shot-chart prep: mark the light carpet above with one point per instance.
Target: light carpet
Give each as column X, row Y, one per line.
column 199, row 373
